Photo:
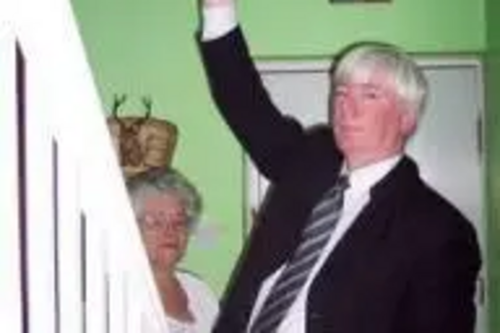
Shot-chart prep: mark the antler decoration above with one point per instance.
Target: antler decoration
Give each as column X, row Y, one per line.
column 118, row 101
column 147, row 101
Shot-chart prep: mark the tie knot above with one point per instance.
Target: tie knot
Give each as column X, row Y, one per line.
column 341, row 184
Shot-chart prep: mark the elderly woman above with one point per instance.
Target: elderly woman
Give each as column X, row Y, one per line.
column 167, row 207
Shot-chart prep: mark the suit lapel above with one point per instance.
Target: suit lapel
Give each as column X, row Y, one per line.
column 369, row 228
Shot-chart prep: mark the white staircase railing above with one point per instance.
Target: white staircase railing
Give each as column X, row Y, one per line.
column 71, row 256
column 10, row 276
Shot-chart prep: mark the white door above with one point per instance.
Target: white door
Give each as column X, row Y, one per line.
column 447, row 145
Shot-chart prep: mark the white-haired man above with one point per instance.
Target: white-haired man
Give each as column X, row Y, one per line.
column 398, row 257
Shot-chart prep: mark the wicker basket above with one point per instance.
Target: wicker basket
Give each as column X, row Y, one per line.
column 142, row 142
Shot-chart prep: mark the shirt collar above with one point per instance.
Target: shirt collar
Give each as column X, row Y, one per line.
column 364, row 178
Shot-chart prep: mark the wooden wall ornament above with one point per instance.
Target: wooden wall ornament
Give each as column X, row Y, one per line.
column 141, row 142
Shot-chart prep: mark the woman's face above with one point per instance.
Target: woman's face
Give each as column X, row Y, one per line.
column 164, row 230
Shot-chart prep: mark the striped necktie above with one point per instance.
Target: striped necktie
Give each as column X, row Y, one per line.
column 315, row 236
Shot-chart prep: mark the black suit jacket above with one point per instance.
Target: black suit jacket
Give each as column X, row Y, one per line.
column 409, row 262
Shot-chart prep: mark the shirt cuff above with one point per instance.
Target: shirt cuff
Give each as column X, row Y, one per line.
column 218, row 21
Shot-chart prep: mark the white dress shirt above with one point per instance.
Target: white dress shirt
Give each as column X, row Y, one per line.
column 218, row 21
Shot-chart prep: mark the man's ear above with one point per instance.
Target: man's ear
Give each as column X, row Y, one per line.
column 408, row 123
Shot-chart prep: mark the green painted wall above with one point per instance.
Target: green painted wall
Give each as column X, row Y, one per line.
column 147, row 47
column 316, row 27
column 492, row 82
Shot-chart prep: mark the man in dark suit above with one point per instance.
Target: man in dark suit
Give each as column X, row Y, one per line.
column 401, row 259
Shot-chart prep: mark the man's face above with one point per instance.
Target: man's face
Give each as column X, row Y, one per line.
column 369, row 120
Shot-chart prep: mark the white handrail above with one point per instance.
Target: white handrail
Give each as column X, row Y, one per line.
column 10, row 277
column 87, row 270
